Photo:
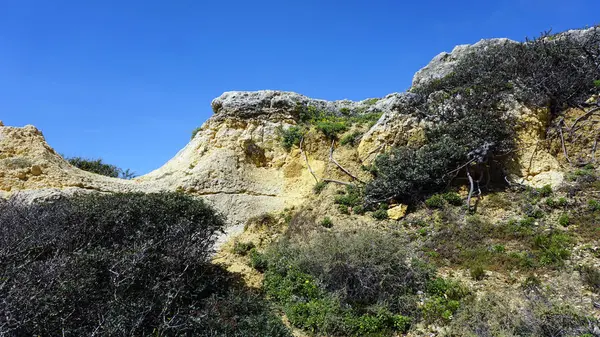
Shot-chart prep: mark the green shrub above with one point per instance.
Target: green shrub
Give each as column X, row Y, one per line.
column 258, row 260
column 327, row 222
column 435, row 201
column 551, row 202
column 590, row 277
column 195, row 132
column 290, row 137
column 545, row 191
column 242, row 248
column 474, row 125
column 332, row 129
column 499, row 249
column 319, row 282
column 553, row 248
column 351, row 139
column 344, row 209
column 477, row 273
column 564, row 220
column 453, row 198
column 115, row 264
column 562, row 202
column 359, row 209
column 527, row 222
column 99, row 167
column 444, row 301
column 380, row 214
column 319, row 187
column 594, row 205
column 352, row 197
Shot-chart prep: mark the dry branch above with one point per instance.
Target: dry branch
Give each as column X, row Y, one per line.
column 338, row 164
column 306, row 160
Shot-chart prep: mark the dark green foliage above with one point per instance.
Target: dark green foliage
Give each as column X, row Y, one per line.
column 319, row 283
column 545, row 191
column 590, row 277
column 99, row 167
column 453, row 198
column 594, row 205
column 477, row 273
column 553, row 248
column 352, row 197
column 319, row 187
column 195, row 132
column 359, row 209
column 258, row 260
column 380, row 214
column 435, row 201
column 468, row 105
column 597, row 83
column 290, row 137
column 351, row 139
column 242, row 248
column 120, row 265
column 332, row 129
column 540, row 315
column 564, row 220
column 444, row 301
column 327, row 222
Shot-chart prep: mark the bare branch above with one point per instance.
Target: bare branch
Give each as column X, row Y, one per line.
column 338, row 164
column 306, row 160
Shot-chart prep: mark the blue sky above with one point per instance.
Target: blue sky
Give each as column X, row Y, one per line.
column 129, row 80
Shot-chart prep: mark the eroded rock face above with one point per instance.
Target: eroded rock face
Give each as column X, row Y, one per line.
column 237, row 163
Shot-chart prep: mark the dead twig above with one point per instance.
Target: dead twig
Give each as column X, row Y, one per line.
column 337, row 182
column 306, row 160
column 470, row 189
column 331, row 159
column 562, row 140
column 587, row 114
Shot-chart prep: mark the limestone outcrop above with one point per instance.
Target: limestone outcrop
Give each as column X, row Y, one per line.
column 237, row 163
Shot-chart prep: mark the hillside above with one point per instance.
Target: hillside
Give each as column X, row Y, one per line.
column 468, row 205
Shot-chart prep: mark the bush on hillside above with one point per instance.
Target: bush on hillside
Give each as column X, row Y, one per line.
column 469, row 107
column 353, row 283
column 120, row 265
column 99, row 167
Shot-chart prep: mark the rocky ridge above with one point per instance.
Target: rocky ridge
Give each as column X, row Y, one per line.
column 236, row 161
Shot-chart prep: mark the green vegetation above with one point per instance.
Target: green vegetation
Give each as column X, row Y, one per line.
column 319, row 187
column 331, row 129
column 351, row 139
column 440, row 200
column 195, row 132
column 99, row 167
column 327, row 222
column 109, row 263
column 564, row 220
column 474, row 128
column 351, row 198
column 290, row 137
column 242, row 248
column 318, row 283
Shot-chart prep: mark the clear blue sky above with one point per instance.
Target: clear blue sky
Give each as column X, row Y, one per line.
column 128, row 81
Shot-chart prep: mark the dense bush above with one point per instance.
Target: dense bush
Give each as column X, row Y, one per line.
column 290, row 137
column 99, row 167
column 495, row 315
column 469, row 107
column 120, row 265
column 353, row 283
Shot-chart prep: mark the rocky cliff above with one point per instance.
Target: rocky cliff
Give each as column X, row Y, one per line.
column 236, row 160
